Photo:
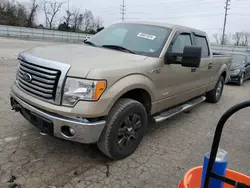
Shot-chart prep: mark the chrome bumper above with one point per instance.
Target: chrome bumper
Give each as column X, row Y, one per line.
column 84, row 132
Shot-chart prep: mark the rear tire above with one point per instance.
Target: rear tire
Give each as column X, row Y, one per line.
column 125, row 128
column 215, row 95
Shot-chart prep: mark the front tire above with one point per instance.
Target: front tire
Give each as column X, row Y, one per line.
column 215, row 95
column 125, row 128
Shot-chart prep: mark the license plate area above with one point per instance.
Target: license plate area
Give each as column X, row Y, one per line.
column 45, row 125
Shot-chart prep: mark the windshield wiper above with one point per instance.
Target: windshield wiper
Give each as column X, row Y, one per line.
column 88, row 42
column 117, row 47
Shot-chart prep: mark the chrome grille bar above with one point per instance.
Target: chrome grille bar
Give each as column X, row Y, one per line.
column 37, row 73
column 41, row 78
column 47, row 96
column 43, row 70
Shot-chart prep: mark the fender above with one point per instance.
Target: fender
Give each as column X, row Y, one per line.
column 128, row 83
column 219, row 72
column 224, row 68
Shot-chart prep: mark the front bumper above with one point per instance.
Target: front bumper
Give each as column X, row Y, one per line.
column 234, row 79
column 51, row 123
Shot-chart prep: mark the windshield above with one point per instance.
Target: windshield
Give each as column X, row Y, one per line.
column 238, row 59
column 138, row 38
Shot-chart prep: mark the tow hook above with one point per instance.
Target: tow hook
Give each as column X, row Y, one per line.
column 15, row 106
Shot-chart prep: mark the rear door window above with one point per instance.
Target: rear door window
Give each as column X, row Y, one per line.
column 202, row 42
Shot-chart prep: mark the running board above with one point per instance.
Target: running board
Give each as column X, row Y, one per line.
column 178, row 109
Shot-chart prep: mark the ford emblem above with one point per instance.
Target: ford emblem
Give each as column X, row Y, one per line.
column 27, row 77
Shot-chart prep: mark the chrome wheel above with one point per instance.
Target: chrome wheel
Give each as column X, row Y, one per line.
column 219, row 89
column 129, row 131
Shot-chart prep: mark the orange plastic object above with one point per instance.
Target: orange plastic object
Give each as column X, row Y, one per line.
column 192, row 178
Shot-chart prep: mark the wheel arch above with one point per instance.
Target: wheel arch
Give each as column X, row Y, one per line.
column 137, row 87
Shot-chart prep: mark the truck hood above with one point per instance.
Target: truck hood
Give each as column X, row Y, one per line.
column 82, row 58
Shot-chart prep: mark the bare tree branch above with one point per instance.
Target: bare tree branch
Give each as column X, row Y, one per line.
column 77, row 19
column 98, row 23
column 217, row 38
column 12, row 13
column 245, row 38
column 88, row 20
column 237, row 38
column 68, row 17
column 51, row 8
column 32, row 14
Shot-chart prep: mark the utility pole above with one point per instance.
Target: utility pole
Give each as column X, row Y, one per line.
column 123, row 10
column 225, row 21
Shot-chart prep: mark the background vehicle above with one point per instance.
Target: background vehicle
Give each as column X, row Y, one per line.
column 104, row 91
column 240, row 70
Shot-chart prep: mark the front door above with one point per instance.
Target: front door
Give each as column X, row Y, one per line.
column 176, row 83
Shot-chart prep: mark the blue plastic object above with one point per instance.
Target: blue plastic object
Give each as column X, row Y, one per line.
column 220, row 166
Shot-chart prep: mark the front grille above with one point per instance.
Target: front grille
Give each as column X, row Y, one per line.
column 43, row 80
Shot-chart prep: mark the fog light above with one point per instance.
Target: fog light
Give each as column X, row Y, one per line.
column 67, row 131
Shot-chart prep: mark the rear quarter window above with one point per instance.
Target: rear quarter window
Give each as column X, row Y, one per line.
column 202, row 42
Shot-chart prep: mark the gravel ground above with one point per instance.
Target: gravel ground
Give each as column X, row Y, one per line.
column 166, row 153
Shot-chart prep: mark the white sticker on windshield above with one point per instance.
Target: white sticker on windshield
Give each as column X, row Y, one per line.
column 146, row 36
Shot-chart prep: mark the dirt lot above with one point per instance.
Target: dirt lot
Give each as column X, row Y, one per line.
column 166, row 153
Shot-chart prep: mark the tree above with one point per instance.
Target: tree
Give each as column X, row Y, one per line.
column 32, row 14
column 20, row 17
column 16, row 14
column 68, row 17
column 77, row 20
column 217, row 38
column 63, row 27
column 98, row 23
column 237, row 38
column 245, row 38
column 92, row 32
column 99, row 29
column 88, row 20
column 12, row 13
column 51, row 8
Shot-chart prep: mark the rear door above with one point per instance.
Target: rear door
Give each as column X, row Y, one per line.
column 205, row 71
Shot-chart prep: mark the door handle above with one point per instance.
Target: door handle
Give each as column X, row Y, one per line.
column 210, row 65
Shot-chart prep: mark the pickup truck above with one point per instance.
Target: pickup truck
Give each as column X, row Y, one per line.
column 107, row 89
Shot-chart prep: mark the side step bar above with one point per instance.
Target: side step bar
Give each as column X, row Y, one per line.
column 178, row 109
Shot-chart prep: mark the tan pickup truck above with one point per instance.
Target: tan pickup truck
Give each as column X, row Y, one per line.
column 104, row 90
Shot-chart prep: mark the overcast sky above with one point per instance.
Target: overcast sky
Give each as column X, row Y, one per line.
column 207, row 15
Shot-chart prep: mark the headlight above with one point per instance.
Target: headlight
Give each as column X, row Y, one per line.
column 81, row 89
column 235, row 72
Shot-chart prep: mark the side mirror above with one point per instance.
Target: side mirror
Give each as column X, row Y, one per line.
column 190, row 57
